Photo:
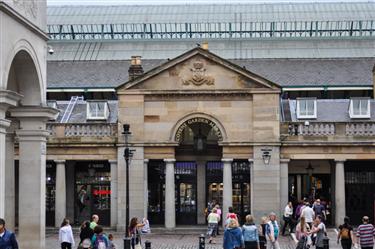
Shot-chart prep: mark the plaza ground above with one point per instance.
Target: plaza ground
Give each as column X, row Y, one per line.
column 177, row 240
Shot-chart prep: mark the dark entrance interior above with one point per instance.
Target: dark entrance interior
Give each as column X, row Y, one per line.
column 241, row 189
column 186, row 192
column 92, row 191
column 156, row 191
column 360, row 190
column 50, row 193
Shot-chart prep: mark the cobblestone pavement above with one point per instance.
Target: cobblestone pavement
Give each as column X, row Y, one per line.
column 180, row 241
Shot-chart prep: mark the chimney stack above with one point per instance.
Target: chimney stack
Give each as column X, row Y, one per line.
column 205, row 45
column 135, row 69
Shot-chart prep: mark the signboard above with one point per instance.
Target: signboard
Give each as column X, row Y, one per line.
column 188, row 122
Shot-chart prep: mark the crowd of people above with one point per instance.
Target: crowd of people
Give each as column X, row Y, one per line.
column 308, row 219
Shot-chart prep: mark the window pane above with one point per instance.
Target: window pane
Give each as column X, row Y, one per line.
column 310, row 107
column 364, row 106
column 356, row 106
column 302, row 108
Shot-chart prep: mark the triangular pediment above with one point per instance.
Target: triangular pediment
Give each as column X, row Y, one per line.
column 198, row 70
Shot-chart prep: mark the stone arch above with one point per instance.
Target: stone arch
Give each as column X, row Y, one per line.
column 190, row 116
column 23, row 74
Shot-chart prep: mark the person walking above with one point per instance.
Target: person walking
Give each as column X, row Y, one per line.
column 287, row 217
column 66, row 238
column 263, row 226
column 319, row 229
column 94, row 221
column 85, row 235
column 250, row 233
column 272, row 232
column 7, row 238
column 134, row 232
column 233, row 238
column 213, row 223
column 302, row 229
column 345, row 234
column 219, row 213
column 319, row 209
column 99, row 240
column 366, row 233
column 230, row 215
column 308, row 213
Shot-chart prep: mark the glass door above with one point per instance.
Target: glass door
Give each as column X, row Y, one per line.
column 241, row 189
column 186, row 193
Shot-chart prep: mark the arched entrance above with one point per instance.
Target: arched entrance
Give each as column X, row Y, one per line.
column 198, row 153
column 23, row 115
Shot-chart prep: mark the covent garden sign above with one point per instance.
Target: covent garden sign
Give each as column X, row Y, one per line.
column 214, row 127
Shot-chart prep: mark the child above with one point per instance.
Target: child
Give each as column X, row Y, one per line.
column 146, row 228
column 112, row 245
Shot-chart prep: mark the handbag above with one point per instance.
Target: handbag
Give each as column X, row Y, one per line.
column 138, row 246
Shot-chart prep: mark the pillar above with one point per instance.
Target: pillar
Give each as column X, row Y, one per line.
column 340, row 192
column 284, row 187
column 299, row 187
column 60, row 198
column 10, row 183
column 113, row 164
column 7, row 99
column 145, row 187
column 170, row 209
column 70, row 189
column 32, row 137
column 227, row 186
column 4, row 124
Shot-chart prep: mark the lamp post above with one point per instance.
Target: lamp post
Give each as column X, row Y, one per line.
column 127, row 155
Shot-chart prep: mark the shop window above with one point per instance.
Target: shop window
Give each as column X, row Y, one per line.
column 97, row 110
column 359, row 108
column 306, row 108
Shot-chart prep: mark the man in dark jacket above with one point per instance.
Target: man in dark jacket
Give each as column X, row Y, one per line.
column 7, row 238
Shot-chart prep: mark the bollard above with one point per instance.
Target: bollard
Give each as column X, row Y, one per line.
column 326, row 242
column 127, row 243
column 202, row 241
column 147, row 244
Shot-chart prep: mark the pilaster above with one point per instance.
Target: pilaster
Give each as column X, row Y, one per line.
column 340, row 192
column 145, row 187
column 113, row 164
column 284, row 188
column 60, row 200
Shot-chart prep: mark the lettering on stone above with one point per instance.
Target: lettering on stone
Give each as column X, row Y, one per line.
column 182, row 127
column 199, row 76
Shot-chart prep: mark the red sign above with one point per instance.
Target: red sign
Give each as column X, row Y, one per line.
column 101, row 192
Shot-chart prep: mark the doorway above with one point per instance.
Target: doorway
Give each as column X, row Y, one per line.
column 186, row 193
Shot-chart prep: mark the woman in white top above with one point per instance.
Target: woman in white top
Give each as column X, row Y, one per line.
column 213, row 221
column 66, row 238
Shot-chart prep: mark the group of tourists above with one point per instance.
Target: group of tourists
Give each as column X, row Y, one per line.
column 91, row 235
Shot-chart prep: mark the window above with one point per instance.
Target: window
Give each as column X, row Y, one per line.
column 359, row 108
column 306, row 108
column 97, row 110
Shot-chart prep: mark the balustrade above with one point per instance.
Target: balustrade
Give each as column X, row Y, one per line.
column 360, row 129
column 311, row 129
column 82, row 130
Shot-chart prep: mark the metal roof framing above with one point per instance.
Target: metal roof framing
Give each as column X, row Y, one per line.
column 217, row 30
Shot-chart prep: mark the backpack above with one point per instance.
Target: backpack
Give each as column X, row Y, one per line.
column 100, row 242
column 345, row 233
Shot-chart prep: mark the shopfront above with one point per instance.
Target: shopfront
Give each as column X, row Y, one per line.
column 92, row 191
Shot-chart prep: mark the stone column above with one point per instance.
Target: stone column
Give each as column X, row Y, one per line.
column 32, row 174
column 145, row 187
column 113, row 164
column 340, row 192
column 170, row 208
column 7, row 99
column 227, row 186
column 299, row 187
column 60, row 198
column 251, row 165
column 10, row 183
column 284, row 187
column 4, row 124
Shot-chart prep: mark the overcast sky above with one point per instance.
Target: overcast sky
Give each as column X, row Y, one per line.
column 114, row 2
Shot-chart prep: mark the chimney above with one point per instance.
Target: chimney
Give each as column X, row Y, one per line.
column 205, row 45
column 135, row 69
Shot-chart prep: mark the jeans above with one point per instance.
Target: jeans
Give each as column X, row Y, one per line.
column 251, row 244
column 287, row 221
column 66, row 245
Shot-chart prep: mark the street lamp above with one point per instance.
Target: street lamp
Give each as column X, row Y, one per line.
column 127, row 155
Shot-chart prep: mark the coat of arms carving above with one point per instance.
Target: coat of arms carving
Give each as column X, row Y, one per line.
column 199, row 76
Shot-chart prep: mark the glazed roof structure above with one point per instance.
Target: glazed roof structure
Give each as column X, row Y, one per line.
column 277, row 20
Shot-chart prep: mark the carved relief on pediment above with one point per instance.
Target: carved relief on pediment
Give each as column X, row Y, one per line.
column 199, row 76
column 30, row 7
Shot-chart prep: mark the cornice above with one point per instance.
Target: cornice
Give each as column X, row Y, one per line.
column 24, row 21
